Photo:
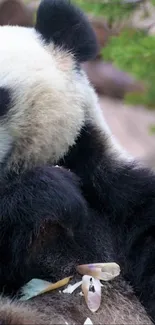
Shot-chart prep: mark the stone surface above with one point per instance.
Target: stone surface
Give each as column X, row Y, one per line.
column 131, row 125
column 110, row 81
column 15, row 12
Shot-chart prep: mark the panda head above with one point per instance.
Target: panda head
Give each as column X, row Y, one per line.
column 44, row 94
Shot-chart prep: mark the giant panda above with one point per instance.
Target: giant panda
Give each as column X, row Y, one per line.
column 98, row 207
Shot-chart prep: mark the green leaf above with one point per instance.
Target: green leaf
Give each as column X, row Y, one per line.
column 152, row 129
column 134, row 52
column 113, row 10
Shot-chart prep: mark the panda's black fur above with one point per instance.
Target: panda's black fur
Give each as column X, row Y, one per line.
column 52, row 219
column 70, row 31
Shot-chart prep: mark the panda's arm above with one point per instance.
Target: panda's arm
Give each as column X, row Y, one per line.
column 127, row 196
column 124, row 193
column 27, row 202
column 116, row 187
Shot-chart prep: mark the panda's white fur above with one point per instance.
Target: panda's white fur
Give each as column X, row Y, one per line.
column 47, row 90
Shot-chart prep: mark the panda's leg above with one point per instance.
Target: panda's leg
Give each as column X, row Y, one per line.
column 29, row 203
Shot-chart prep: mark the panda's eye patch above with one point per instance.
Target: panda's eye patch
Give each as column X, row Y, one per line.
column 5, row 100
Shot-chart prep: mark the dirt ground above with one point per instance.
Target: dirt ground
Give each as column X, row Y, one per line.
column 131, row 125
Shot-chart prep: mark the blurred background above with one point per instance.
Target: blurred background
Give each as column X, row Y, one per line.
column 123, row 73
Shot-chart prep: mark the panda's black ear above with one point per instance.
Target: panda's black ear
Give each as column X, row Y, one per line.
column 64, row 24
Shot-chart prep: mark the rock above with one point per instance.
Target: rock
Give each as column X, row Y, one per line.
column 130, row 125
column 152, row 30
column 33, row 5
column 15, row 12
column 144, row 16
column 101, row 29
column 109, row 81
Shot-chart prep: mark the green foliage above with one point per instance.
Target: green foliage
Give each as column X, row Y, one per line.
column 152, row 129
column 134, row 52
column 112, row 10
